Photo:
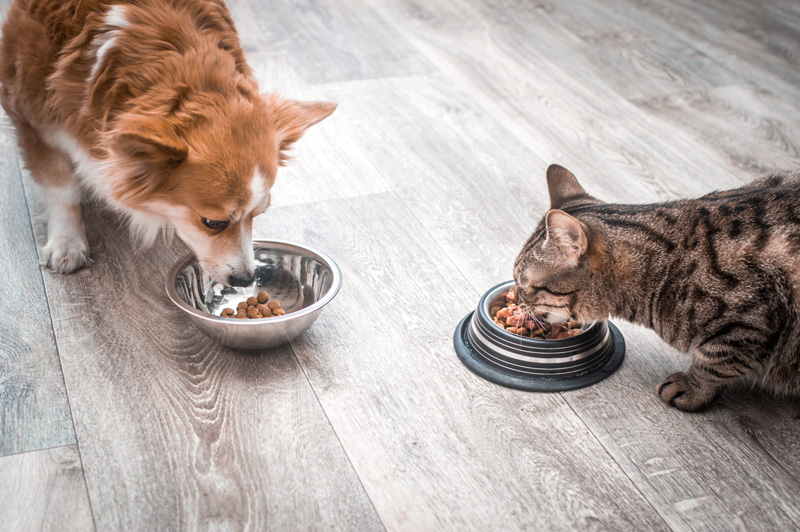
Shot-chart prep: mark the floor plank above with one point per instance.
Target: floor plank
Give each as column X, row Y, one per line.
column 34, row 411
column 436, row 447
column 338, row 40
column 576, row 122
column 629, row 56
column 694, row 490
column 757, row 132
column 423, row 186
column 676, row 459
column 176, row 432
column 433, row 177
column 44, row 490
column 325, row 163
column 760, row 46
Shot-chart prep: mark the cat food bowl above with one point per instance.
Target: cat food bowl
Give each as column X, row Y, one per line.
column 301, row 279
column 535, row 364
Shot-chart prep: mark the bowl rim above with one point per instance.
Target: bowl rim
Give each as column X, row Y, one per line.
column 483, row 312
column 324, row 300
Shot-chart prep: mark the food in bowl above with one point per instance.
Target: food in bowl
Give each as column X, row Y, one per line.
column 507, row 315
column 256, row 307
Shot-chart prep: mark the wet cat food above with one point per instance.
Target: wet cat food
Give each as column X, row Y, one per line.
column 254, row 308
column 508, row 316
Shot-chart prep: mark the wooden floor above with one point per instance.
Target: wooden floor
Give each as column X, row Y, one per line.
column 115, row 414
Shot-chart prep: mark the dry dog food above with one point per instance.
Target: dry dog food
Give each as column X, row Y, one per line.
column 254, row 308
column 509, row 317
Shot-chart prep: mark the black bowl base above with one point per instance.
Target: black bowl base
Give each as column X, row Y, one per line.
column 534, row 383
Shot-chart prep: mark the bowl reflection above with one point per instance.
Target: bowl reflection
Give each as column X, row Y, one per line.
column 301, row 279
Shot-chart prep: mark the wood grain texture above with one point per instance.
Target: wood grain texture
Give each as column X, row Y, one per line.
column 44, row 490
column 457, row 199
column 436, row 447
column 730, row 467
column 337, row 40
column 633, row 56
column 551, row 104
column 735, row 124
column 34, row 411
column 325, row 164
column 695, row 488
column 176, row 432
column 761, row 44
column 757, row 132
column 423, row 186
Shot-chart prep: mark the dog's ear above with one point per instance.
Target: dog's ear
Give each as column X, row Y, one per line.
column 144, row 154
column 152, row 147
column 292, row 118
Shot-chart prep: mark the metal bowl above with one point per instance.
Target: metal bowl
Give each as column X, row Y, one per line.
column 534, row 364
column 303, row 280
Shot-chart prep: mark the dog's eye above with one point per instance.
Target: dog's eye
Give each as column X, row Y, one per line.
column 217, row 225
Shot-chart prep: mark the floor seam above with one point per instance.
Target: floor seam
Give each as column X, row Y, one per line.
column 614, row 460
column 56, row 343
column 338, row 439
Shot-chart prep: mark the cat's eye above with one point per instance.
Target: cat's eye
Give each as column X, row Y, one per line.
column 552, row 291
column 216, row 225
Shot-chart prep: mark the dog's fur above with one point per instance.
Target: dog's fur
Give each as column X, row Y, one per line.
column 151, row 106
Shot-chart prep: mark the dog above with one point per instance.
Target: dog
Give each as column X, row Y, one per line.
column 151, row 106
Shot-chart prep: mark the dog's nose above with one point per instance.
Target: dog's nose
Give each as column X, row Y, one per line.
column 234, row 280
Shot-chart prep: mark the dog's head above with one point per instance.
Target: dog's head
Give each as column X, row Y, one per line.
column 206, row 168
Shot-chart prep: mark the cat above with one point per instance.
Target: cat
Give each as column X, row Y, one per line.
column 717, row 277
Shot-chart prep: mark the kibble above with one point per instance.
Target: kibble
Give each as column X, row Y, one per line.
column 507, row 315
column 256, row 307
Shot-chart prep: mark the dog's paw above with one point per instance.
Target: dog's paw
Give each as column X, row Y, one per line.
column 677, row 391
column 65, row 255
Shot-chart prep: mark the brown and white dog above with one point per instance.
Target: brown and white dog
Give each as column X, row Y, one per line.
column 151, row 106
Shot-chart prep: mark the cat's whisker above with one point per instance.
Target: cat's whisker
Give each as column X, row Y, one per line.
column 534, row 315
column 545, row 312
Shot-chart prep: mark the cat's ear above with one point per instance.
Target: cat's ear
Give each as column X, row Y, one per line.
column 563, row 186
column 568, row 233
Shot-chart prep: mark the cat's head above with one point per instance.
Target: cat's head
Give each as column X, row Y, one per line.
column 553, row 273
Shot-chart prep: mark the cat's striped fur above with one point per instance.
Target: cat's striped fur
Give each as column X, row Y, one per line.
column 717, row 277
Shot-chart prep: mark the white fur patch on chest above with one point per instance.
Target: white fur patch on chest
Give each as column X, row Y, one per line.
column 97, row 176
column 88, row 169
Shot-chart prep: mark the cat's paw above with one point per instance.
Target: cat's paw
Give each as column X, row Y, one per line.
column 677, row 391
column 65, row 255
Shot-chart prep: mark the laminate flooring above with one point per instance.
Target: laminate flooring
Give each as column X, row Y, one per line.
column 117, row 415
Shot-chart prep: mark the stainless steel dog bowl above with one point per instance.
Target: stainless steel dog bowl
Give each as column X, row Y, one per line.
column 536, row 365
column 301, row 279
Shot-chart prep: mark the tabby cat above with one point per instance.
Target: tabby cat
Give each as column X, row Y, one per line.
column 718, row 277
